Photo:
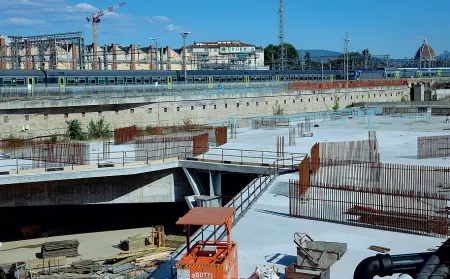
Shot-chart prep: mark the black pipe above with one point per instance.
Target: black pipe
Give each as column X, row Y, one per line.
column 386, row 265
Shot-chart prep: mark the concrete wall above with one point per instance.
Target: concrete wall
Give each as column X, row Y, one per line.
column 441, row 94
column 28, row 119
column 168, row 185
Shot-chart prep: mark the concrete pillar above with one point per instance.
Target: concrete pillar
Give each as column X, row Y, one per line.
column 169, row 51
column 28, row 63
column 152, row 65
column 74, row 57
column 133, row 58
column 94, row 57
column 114, row 56
column 419, row 92
column 215, row 186
column 2, row 54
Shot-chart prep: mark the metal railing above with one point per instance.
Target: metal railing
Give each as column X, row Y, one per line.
column 84, row 91
column 241, row 202
column 17, row 163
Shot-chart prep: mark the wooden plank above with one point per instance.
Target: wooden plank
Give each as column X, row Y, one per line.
column 45, row 263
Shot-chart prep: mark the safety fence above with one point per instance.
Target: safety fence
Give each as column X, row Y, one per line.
column 53, row 155
column 296, row 86
column 130, row 90
column 159, row 148
column 221, row 136
column 433, row 147
column 125, row 135
column 269, row 123
column 200, row 144
column 345, row 152
column 394, row 197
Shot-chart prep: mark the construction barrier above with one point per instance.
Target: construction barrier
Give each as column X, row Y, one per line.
column 297, row 86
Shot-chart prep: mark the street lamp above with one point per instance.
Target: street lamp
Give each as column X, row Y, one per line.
column 139, row 51
column 156, row 44
column 184, row 35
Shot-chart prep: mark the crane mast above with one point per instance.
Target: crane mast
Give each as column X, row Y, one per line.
column 95, row 18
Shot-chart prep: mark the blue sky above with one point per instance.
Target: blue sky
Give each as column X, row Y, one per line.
column 385, row 27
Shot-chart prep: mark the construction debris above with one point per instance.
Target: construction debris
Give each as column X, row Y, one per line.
column 314, row 258
column 379, row 249
column 67, row 248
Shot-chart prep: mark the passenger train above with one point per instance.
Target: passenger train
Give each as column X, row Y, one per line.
column 68, row 78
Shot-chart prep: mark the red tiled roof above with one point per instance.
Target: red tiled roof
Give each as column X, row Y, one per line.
column 425, row 52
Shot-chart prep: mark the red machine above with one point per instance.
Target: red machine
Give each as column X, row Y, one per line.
column 209, row 259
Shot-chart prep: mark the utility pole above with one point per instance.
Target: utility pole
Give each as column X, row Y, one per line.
column 281, row 35
column 346, row 56
column 184, row 35
column 156, row 51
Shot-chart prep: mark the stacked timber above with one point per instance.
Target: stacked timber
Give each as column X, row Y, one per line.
column 84, row 267
column 65, row 248
column 152, row 259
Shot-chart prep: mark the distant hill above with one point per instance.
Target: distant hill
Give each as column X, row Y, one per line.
column 318, row 53
column 443, row 56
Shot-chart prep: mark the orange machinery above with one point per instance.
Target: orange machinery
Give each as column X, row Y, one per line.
column 209, row 259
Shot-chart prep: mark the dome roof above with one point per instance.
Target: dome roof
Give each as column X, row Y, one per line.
column 425, row 52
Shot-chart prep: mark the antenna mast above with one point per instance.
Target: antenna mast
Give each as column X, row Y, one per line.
column 283, row 57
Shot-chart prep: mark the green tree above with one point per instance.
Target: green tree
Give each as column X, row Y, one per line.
column 74, row 130
column 272, row 55
column 99, row 129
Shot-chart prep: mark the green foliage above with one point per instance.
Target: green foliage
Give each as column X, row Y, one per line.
column 277, row 110
column 99, row 129
column 336, row 103
column 404, row 99
column 74, row 130
column 272, row 54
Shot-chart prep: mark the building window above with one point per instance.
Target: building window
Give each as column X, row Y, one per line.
column 267, row 102
column 192, row 107
column 331, row 98
column 5, row 118
column 149, row 110
column 226, row 105
column 248, row 104
column 293, row 101
column 237, row 105
column 83, row 114
column 66, row 115
column 165, row 109
column 131, row 110
column 45, row 116
column 27, row 117
column 215, row 106
column 309, row 100
column 178, row 108
column 257, row 103
column 317, row 99
column 99, row 113
column 284, row 101
column 204, row 106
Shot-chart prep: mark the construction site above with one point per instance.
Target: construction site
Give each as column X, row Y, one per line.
column 381, row 186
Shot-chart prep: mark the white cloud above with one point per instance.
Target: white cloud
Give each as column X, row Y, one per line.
column 16, row 21
column 82, row 8
column 172, row 27
column 153, row 19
